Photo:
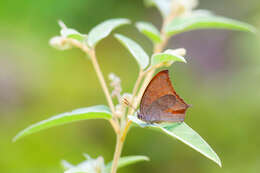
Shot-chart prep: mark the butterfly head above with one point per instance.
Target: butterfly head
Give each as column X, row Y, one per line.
column 139, row 115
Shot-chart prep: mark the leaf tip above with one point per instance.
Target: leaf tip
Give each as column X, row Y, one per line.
column 146, row 158
column 117, row 35
column 184, row 60
column 16, row 138
column 19, row 135
column 127, row 21
column 62, row 24
column 253, row 30
column 138, row 25
column 218, row 162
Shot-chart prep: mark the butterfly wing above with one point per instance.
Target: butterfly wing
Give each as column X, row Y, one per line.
column 163, row 103
column 160, row 102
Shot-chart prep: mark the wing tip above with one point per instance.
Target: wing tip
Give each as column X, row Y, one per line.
column 164, row 71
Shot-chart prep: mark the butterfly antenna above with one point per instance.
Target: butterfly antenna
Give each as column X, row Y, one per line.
column 126, row 102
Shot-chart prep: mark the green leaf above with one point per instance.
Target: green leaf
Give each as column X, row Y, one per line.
column 164, row 6
column 78, row 37
column 70, row 33
column 183, row 133
column 135, row 49
column 94, row 112
column 125, row 161
column 102, row 30
column 168, row 55
column 66, row 165
column 149, row 30
column 183, row 24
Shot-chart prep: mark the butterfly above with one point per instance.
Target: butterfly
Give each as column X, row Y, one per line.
column 160, row 103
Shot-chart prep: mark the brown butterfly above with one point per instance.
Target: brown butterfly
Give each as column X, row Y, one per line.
column 160, row 102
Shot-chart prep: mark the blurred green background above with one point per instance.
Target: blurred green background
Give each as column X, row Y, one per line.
column 221, row 80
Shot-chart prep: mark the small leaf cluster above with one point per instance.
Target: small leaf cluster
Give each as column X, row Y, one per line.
column 97, row 165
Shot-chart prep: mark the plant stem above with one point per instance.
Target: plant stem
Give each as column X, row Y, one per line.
column 134, row 102
column 136, row 99
column 114, row 121
column 91, row 52
column 124, row 127
column 102, row 80
column 118, row 150
column 135, row 89
column 158, row 48
column 137, row 83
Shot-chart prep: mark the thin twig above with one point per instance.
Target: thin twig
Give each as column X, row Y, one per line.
column 136, row 99
column 149, row 73
column 157, row 49
column 92, row 55
column 118, row 150
column 135, row 89
column 102, row 80
column 114, row 122
column 138, row 81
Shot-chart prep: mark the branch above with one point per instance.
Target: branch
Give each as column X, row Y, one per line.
column 92, row 55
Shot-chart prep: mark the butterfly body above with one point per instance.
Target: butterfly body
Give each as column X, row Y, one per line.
column 160, row 102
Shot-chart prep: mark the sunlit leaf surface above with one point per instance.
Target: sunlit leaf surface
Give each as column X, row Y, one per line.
column 183, row 24
column 183, row 133
column 124, row 161
column 94, row 112
column 168, row 55
column 102, row 30
column 149, row 30
column 135, row 49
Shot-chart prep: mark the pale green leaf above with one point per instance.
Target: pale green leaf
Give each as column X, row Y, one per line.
column 164, row 6
column 168, row 55
column 94, row 112
column 78, row 37
column 90, row 165
column 125, row 161
column 149, row 30
column 66, row 165
column 183, row 133
column 202, row 13
column 103, row 29
column 135, row 49
column 71, row 33
column 183, row 24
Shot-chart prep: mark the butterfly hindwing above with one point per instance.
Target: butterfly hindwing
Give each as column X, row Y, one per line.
column 160, row 102
column 163, row 103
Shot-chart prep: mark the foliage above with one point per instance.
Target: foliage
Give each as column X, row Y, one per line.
column 98, row 166
column 94, row 112
column 178, row 16
column 136, row 50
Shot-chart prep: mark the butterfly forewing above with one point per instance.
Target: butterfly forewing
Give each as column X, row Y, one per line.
column 160, row 102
